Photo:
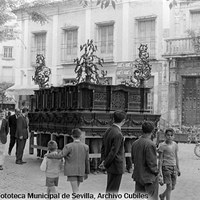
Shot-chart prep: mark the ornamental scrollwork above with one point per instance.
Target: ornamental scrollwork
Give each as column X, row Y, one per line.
column 143, row 68
column 102, row 122
column 42, row 73
column 136, row 122
column 87, row 122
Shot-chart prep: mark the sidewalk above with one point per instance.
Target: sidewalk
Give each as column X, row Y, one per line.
column 27, row 178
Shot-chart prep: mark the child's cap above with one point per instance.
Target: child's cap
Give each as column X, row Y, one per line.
column 52, row 145
column 76, row 133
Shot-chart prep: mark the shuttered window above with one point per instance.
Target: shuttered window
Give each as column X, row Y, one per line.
column 38, row 45
column 105, row 42
column 195, row 21
column 146, row 35
column 69, row 45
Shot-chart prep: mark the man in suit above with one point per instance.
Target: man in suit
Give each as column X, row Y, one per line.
column 3, row 137
column 144, row 158
column 21, row 135
column 12, row 121
column 112, row 153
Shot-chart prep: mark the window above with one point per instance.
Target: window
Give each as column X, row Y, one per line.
column 146, row 35
column 39, row 45
column 150, row 84
column 69, row 45
column 7, row 52
column 105, row 41
column 195, row 21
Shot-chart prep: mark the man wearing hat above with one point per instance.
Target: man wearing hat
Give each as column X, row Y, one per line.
column 21, row 135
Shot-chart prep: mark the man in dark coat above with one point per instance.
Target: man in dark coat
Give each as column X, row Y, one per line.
column 21, row 135
column 112, row 153
column 12, row 121
column 3, row 137
column 144, row 158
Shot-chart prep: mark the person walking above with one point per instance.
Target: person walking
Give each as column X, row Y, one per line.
column 3, row 137
column 168, row 163
column 127, row 146
column 76, row 155
column 12, row 121
column 144, row 158
column 21, row 135
column 52, row 168
column 112, row 153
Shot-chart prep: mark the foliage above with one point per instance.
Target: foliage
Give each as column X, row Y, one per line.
column 174, row 3
column 42, row 72
column 102, row 3
column 87, row 65
column 3, row 87
column 195, row 39
column 143, row 69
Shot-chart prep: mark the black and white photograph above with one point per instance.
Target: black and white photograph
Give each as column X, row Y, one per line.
column 100, row 99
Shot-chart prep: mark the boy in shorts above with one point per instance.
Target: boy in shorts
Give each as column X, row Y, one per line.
column 168, row 163
column 76, row 155
column 53, row 168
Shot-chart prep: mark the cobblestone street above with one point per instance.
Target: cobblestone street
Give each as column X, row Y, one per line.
column 27, row 178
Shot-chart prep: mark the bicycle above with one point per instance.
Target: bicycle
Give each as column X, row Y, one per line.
column 196, row 140
column 194, row 137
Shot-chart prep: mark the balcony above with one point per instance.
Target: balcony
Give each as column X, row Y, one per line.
column 181, row 47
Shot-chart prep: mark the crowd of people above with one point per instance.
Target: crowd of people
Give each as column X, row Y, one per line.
column 152, row 165
column 16, row 126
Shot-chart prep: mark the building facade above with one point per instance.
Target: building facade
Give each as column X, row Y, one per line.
column 183, row 59
column 117, row 33
column 8, row 48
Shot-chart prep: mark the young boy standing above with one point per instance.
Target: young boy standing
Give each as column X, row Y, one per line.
column 168, row 163
column 53, row 168
column 76, row 155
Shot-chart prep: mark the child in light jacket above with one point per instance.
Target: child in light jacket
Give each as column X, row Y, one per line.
column 76, row 155
column 52, row 168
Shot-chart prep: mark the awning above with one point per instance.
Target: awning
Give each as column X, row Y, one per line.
column 21, row 90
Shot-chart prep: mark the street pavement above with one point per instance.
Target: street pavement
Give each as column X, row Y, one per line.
column 27, row 178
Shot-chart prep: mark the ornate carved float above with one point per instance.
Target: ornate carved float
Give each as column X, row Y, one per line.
column 57, row 110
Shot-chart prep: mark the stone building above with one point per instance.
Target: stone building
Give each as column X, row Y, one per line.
column 117, row 33
column 8, row 48
column 183, row 59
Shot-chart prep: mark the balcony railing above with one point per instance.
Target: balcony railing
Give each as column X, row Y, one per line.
column 180, row 47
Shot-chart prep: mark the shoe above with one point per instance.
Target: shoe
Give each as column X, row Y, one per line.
column 23, row 162
column 1, row 168
column 19, row 162
column 95, row 172
column 161, row 197
column 9, row 153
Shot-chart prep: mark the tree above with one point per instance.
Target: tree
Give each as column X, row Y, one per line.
column 3, row 87
column 87, row 65
column 174, row 3
column 33, row 9
column 102, row 3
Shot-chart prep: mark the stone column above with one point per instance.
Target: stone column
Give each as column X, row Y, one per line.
column 125, row 31
column 173, row 92
column 55, row 50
